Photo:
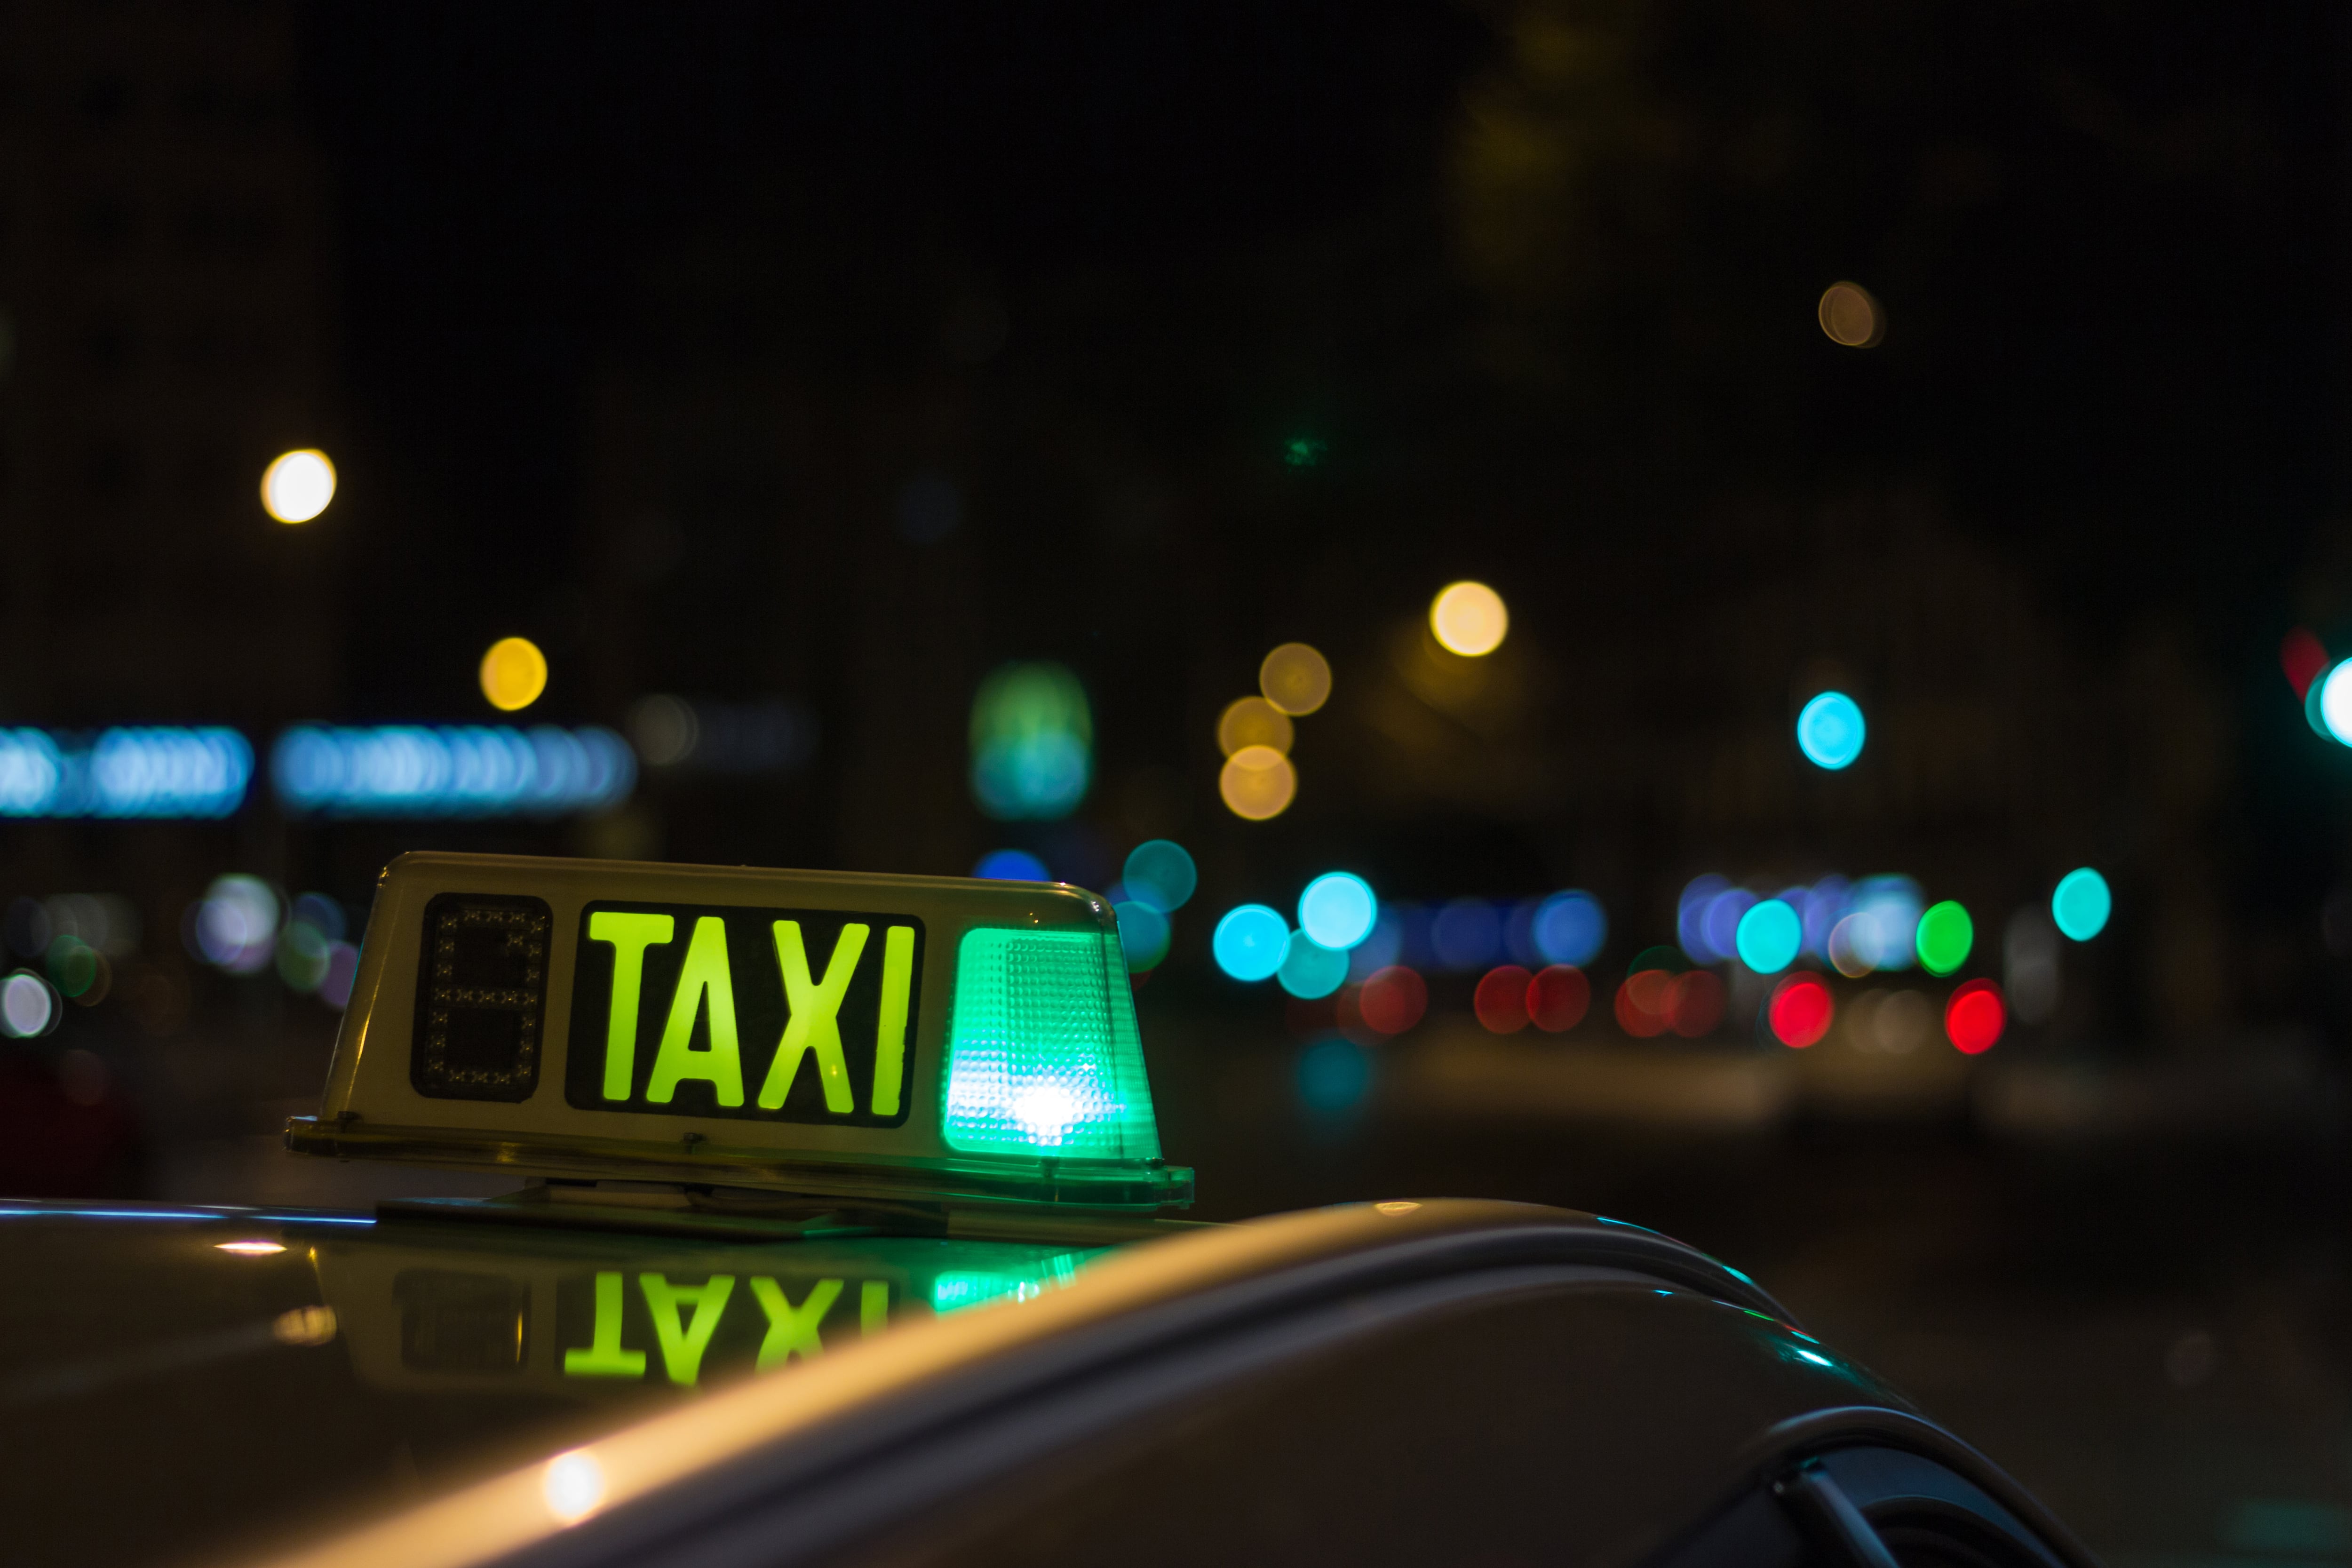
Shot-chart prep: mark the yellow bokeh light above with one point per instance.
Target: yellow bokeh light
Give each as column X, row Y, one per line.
column 1851, row 316
column 1295, row 678
column 1258, row 782
column 297, row 486
column 250, row 1248
column 1253, row 722
column 1468, row 619
column 514, row 672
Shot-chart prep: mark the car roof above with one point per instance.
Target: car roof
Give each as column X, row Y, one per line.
column 613, row 1495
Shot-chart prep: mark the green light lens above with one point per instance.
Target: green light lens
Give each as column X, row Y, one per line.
column 1946, row 935
column 1044, row 1057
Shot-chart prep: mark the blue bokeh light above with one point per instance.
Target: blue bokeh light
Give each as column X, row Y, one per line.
column 1159, row 872
column 1011, row 866
column 1337, row 910
column 1690, row 917
column 1829, row 731
column 1249, row 942
column 1719, row 927
column 1571, row 928
column 2081, row 903
column 1309, row 969
column 415, row 771
column 147, row 772
column 1384, row 947
column 1768, row 936
column 1467, row 934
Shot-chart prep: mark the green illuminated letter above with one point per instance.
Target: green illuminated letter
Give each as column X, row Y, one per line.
column 890, row 1031
column 630, row 936
column 682, row 1348
column 603, row 1356
column 814, row 1023
column 792, row 1330
column 705, row 973
column 874, row 1299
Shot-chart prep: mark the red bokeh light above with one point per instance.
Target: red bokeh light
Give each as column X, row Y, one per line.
column 1800, row 1010
column 1695, row 1003
column 1642, row 1003
column 1501, row 1002
column 2304, row 656
column 1975, row 1016
column 1557, row 998
column 1392, row 1000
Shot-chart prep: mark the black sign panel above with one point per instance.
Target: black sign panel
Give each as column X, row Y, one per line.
column 480, row 995
column 770, row 1014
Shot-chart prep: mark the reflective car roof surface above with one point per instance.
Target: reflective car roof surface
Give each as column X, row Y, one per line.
column 199, row 1377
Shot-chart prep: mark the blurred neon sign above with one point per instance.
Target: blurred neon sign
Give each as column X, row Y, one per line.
column 419, row 771
column 144, row 771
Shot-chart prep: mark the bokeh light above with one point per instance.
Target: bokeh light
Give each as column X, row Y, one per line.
column 1642, row 1003
column 1309, row 969
column 1571, row 928
column 27, row 1007
column 1695, row 1003
column 1392, row 1000
column 1467, row 934
column 1698, row 895
column 1719, row 924
column 2081, row 904
column 1254, row 722
column 1249, row 942
column 1011, row 866
column 1888, row 938
column 234, row 925
column 2303, row 657
column 297, row 486
column 1033, row 738
column 412, row 771
column 1558, row 998
column 1295, row 678
column 1944, row 937
column 1384, row 947
column 1338, row 910
column 1800, row 1010
column 1335, row 1075
column 514, row 674
column 1468, row 619
column 1768, row 936
column 1851, row 316
column 1829, row 731
column 1854, row 947
column 1143, row 935
column 2335, row 703
column 1975, row 1016
column 1501, row 999
column 1257, row 783
column 145, row 772
column 1159, row 872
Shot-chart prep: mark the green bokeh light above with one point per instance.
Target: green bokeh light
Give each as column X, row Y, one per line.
column 1946, row 935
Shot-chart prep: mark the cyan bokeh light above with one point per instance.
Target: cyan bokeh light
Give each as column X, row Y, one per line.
column 2335, row 703
column 1768, row 936
column 2081, row 903
column 1249, row 942
column 1159, row 872
column 1337, row 910
column 1309, row 969
column 1143, row 935
column 1829, row 731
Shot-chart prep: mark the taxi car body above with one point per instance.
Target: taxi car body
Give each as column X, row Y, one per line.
column 879, row 1263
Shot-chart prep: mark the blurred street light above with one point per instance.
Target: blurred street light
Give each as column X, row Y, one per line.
column 297, row 486
column 1468, row 619
column 514, row 673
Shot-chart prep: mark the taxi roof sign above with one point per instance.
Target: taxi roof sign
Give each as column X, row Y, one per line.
column 824, row 1034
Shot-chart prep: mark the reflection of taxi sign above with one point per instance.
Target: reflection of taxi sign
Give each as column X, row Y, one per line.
column 823, row 1033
